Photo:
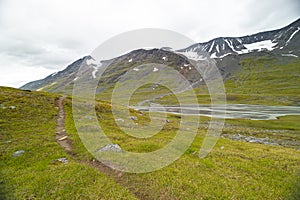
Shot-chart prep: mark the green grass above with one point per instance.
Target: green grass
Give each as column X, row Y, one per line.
column 264, row 75
column 262, row 80
column 238, row 170
column 117, row 135
column 233, row 170
column 268, row 79
column 284, row 130
column 33, row 175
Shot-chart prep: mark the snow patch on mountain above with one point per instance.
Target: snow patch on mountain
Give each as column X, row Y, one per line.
column 214, row 55
column 211, row 47
column 155, row 69
column 96, row 67
column 94, row 72
column 291, row 55
column 192, row 55
column 225, row 55
column 229, row 44
column 293, row 35
column 91, row 61
column 265, row 44
column 217, row 47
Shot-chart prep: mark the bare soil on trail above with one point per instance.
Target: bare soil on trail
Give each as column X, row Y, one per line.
column 61, row 134
column 64, row 141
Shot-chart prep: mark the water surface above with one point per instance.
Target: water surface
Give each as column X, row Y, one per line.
column 229, row 111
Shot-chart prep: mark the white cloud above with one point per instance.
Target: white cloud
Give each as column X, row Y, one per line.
column 47, row 35
column 16, row 74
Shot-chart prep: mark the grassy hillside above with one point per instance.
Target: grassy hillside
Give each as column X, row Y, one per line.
column 267, row 78
column 264, row 80
column 261, row 78
column 233, row 170
column 34, row 175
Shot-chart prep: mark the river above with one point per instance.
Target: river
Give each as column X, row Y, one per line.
column 228, row 111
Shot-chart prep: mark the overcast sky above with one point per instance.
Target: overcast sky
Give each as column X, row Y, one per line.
column 40, row 37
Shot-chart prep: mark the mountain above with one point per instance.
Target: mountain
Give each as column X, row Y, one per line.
column 285, row 40
column 227, row 53
column 63, row 81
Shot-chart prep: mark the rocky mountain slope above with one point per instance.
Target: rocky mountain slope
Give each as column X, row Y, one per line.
column 63, row 81
column 285, row 40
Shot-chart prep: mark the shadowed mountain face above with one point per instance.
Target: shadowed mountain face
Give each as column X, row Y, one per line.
column 226, row 52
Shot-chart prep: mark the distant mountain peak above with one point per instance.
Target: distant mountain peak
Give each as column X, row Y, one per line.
column 279, row 39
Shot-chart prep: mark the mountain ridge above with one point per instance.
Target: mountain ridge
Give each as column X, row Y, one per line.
column 274, row 40
column 227, row 51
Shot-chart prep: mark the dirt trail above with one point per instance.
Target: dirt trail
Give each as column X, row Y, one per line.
column 61, row 134
column 63, row 140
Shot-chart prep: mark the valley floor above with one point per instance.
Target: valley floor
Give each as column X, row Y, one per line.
column 38, row 124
